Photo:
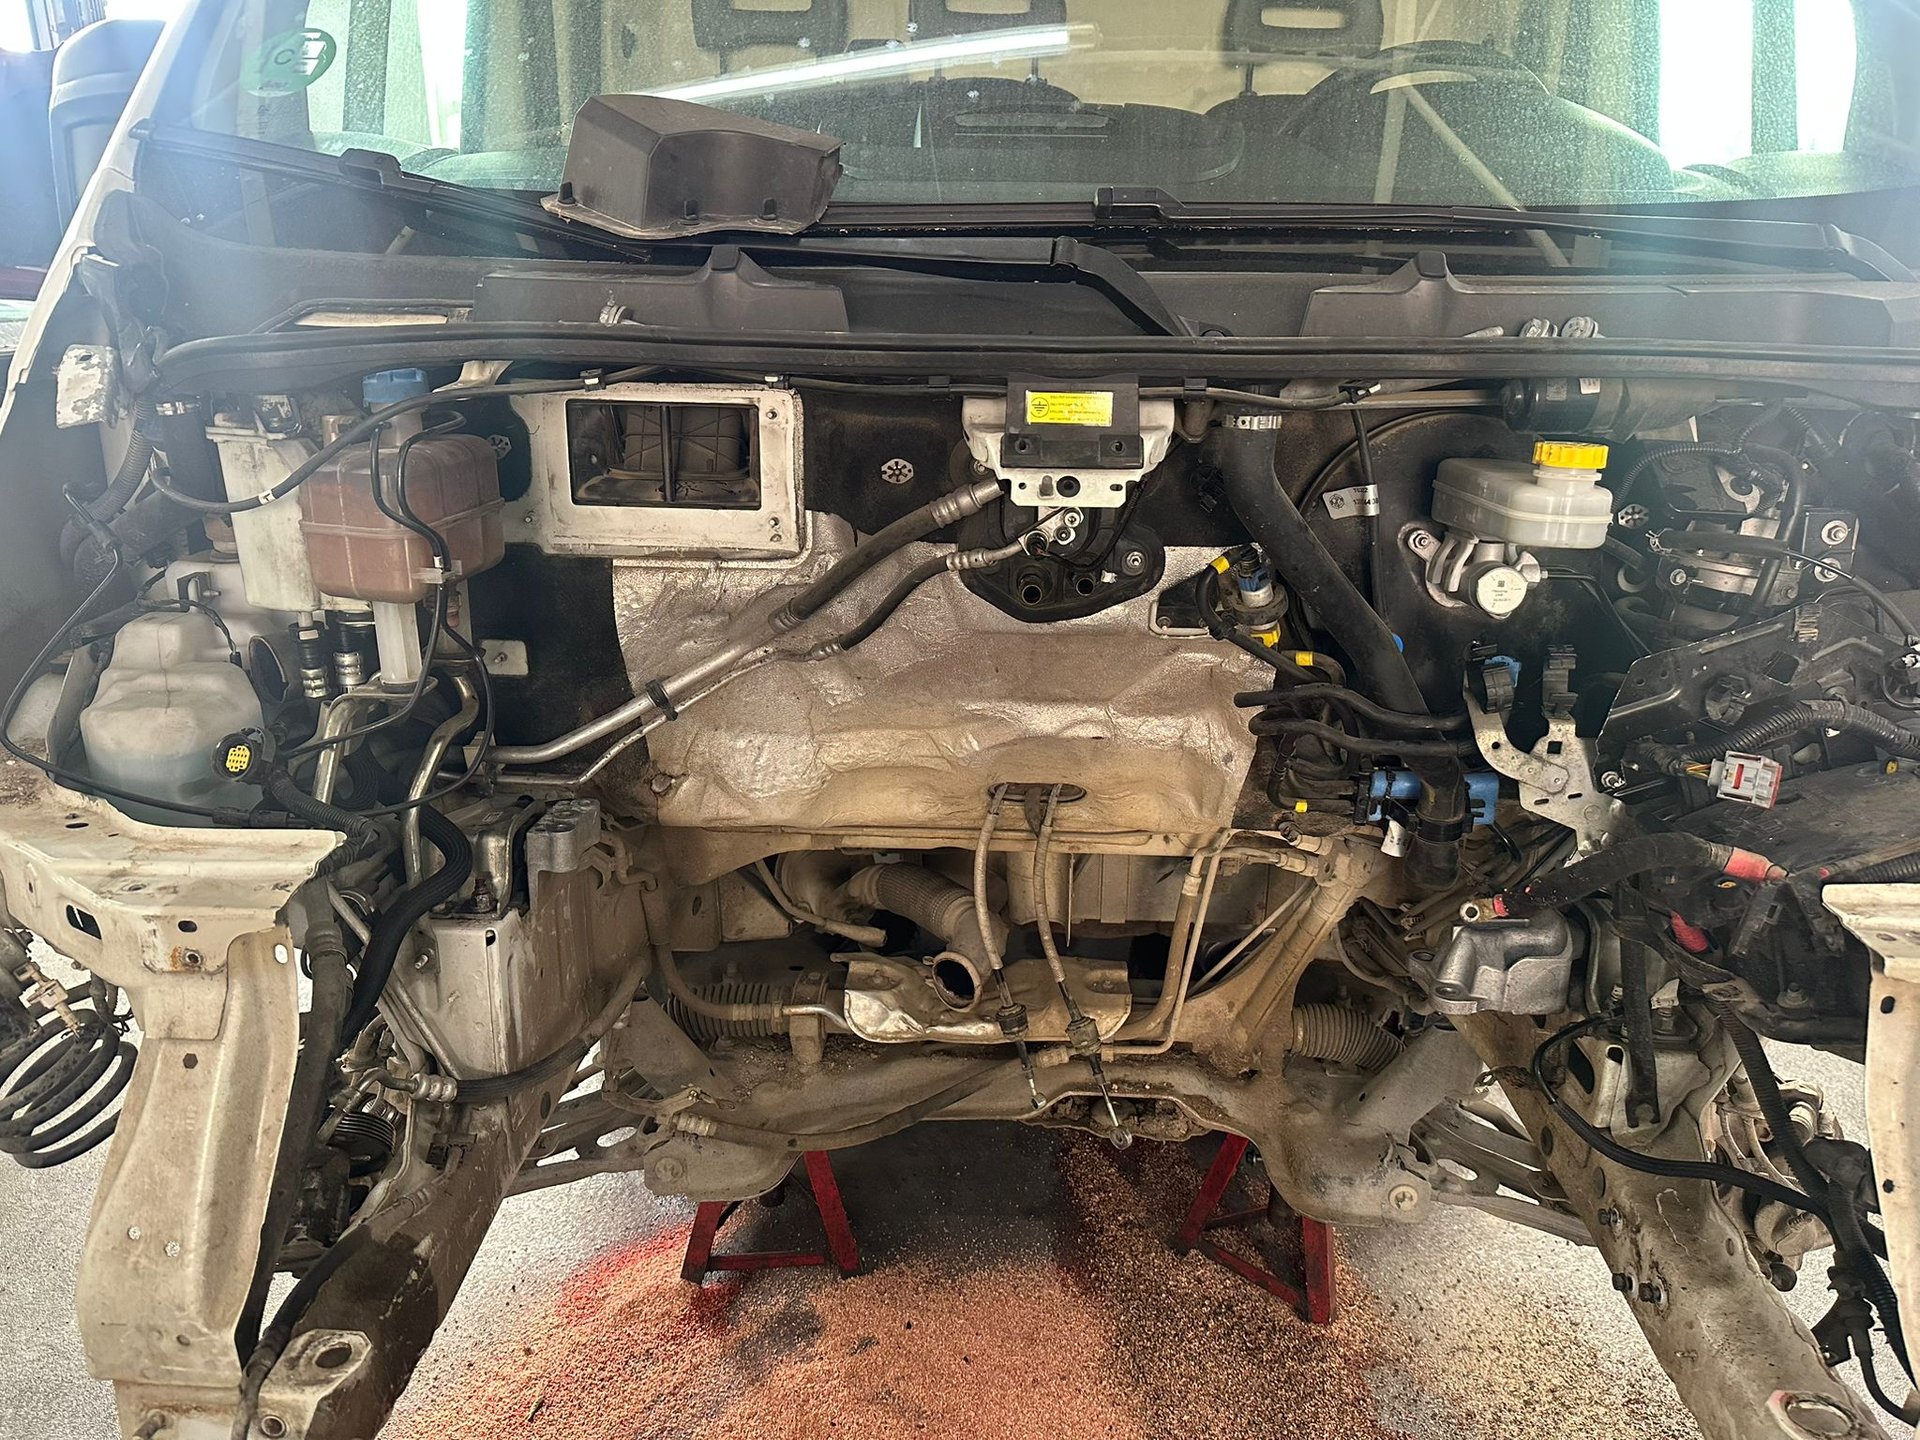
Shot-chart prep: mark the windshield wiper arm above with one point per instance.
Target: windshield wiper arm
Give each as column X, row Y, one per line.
column 1059, row 259
column 378, row 173
column 1771, row 242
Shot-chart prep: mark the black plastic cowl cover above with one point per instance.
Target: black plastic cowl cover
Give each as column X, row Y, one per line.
column 653, row 168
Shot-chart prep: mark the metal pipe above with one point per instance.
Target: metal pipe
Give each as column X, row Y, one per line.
column 638, row 708
column 1196, row 897
column 338, row 719
column 412, row 849
column 870, row 936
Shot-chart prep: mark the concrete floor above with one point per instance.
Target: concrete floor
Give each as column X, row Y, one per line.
column 1016, row 1281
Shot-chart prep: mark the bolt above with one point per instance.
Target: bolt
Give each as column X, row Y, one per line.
column 1817, row 1415
column 173, row 1249
column 1403, row 1198
column 669, row 1169
column 1794, row 998
column 1623, row 1282
column 1835, row 532
column 1651, row 1293
column 1422, row 542
column 133, row 1232
column 897, row 471
column 192, row 959
column 1609, row 1217
column 661, row 784
column 1134, row 562
column 1612, row 780
column 1677, row 577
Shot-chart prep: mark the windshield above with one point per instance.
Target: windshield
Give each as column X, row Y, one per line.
column 1592, row 103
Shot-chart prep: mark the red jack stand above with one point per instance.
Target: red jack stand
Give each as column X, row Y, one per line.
column 712, row 1214
column 1313, row 1298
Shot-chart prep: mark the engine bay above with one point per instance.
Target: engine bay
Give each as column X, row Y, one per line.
column 472, row 766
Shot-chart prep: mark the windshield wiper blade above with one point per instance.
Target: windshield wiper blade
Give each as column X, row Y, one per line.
column 1061, row 258
column 1770, row 242
column 378, row 173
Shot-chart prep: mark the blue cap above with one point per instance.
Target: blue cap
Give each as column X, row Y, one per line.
column 385, row 387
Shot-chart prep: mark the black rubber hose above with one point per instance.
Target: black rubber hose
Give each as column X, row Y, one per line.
column 1899, row 870
column 1849, row 1236
column 142, row 527
column 1353, row 700
column 890, row 602
column 1791, row 720
column 488, row 1088
column 1361, row 745
column 277, row 1336
column 403, row 912
column 320, row 1046
column 1635, row 856
column 888, row 540
column 133, row 465
column 1253, row 489
column 363, row 836
column 1711, row 1171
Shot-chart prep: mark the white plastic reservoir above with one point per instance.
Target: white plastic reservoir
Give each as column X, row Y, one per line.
column 1556, row 502
column 166, row 699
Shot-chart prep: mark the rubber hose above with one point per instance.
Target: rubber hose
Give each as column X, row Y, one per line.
column 1849, row 1237
column 914, row 525
column 890, row 602
column 363, row 836
column 139, row 528
column 278, row 1335
column 1311, row 694
column 1813, row 714
column 1899, row 870
column 404, row 911
column 497, row 1087
column 1637, row 856
column 1254, row 491
column 1360, row 744
column 306, row 1108
column 133, row 465
column 1343, row 1036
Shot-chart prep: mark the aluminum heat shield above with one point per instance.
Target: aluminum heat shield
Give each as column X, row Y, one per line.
column 905, row 735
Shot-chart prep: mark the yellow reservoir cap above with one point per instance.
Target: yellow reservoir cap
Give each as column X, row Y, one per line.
column 1570, row 455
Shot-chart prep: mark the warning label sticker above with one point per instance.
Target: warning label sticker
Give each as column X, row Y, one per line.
column 1069, row 407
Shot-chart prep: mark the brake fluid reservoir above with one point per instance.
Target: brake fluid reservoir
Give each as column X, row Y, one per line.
column 452, row 485
column 1555, row 503
column 170, row 694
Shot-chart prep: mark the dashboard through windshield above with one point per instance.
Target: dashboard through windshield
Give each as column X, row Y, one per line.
column 1589, row 103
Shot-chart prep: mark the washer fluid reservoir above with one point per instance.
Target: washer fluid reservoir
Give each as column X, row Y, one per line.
column 453, row 485
column 1555, row 503
column 168, row 696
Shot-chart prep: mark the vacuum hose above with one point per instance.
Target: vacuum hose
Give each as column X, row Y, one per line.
column 1253, row 489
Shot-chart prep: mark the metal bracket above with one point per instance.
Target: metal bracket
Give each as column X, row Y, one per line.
column 1556, row 778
